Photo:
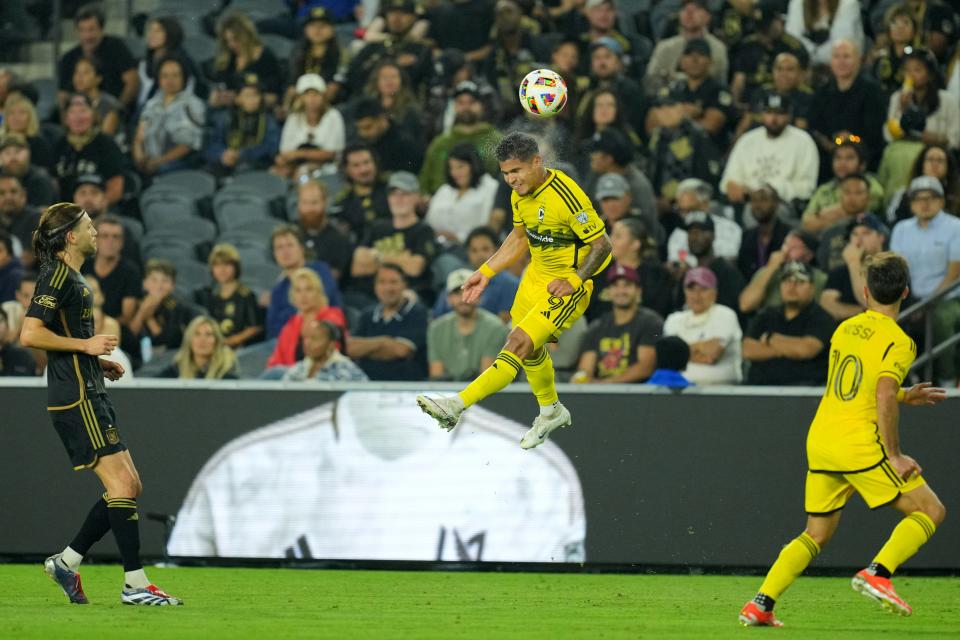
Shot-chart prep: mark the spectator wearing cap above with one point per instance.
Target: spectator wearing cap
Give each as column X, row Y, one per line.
column 788, row 79
column 465, row 342
column 395, row 149
column 611, row 152
column 364, row 199
column 824, row 209
column 597, row 20
column 465, row 201
column 318, row 50
column 705, row 100
column 228, row 301
column 119, row 68
column 788, row 344
column 244, row 137
column 843, row 295
column 498, row 297
column 616, row 203
column 322, row 361
column 694, row 22
column 403, row 241
column 90, row 195
column 470, row 125
column 15, row 160
column 700, row 238
column 673, row 356
column 607, row 71
column 937, row 162
column 818, row 25
column 20, row 116
column 17, row 217
column 170, row 133
column 900, row 155
column 403, row 43
column 694, row 195
column 322, row 240
column 930, row 242
column 926, row 92
column 313, row 134
column 241, row 51
column 11, row 270
column 618, row 346
column 763, row 290
column 390, row 342
column 711, row 330
column 87, row 79
column 940, row 26
column 778, row 154
column 85, row 151
column 854, row 202
column 753, row 60
column 850, row 102
column 679, row 149
column 770, row 232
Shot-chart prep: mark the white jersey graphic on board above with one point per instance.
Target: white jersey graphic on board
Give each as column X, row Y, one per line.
column 368, row 477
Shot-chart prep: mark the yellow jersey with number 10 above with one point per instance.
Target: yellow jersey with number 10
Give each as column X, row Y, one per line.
column 844, row 436
column 559, row 221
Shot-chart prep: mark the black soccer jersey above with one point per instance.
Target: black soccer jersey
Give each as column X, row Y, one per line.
column 64, row 303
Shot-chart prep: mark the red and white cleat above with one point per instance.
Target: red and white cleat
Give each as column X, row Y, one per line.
column 881, row 590
column 753, row 616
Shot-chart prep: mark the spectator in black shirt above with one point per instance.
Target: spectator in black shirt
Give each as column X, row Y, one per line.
column 14, row 360
column 85, row 151
column 321, row 239
column 17, row 217
column 395, row 148
column 161, row 316
column 788, row 344
column 230, row 303
column 887, row 57
column 119, row 69
column 700, row 236
column 364, row 200
column 15, row 160
column 754, row 57
column 318, row 52
column 607, row 72
column 768, row 236
column 843, row 296
column 20, row 116
column 403, row 241
column 245, row 137
column 119, row 278
column 788, row 79
column 239, row 52
column 463, row 25
column 87, row 79
column 90, row 195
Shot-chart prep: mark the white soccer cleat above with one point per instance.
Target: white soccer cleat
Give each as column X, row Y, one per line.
column 446, row 411
column 543, row 425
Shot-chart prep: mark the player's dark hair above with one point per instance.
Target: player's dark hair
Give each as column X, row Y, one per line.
column 481, row 232
column 7, row 241
column 517, row 146
column 672, row 353
column 465, row 152
column 887, row 276
column 389, row 266
column 50, row 237
column 92, row 10
column 159, row 265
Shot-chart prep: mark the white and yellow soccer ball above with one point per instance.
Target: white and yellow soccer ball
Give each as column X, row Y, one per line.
column 543, row 93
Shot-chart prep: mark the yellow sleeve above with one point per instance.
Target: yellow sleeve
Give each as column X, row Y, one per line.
column 897, row 358
column 514, row 198
column 579, row 213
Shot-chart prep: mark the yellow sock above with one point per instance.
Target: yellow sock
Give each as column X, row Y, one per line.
column 539, row 370
column 498, row 375
column 906, row 539
column 791, row 562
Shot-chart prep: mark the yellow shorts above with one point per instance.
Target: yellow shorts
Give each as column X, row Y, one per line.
column 828, row 492
column 544, row 317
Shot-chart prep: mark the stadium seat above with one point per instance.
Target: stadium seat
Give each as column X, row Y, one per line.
column 263, row 183
column 46, row 98
column 200, row 48
column 168, row 248
column 133, row 229
column 260, row 276
column 191, row 275
column 197, row 183
column 252, row 360
column 259, row 228
column 168, row 196
column 158, row 216
column 253, row 253
column 281, row 47
column 136, row 45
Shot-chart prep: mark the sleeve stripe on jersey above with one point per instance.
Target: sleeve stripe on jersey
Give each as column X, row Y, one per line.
column 891, row 374
column 560, row 185
column 59, row 276
column 573, row 210
column 886, row 351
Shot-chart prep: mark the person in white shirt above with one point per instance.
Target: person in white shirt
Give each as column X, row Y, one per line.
column 466, row 200
column 694, row 195
column 778, row 154
column 314, row 134
column 943, row 113
column 711, row 330
column 367, row 477
column 813, row 24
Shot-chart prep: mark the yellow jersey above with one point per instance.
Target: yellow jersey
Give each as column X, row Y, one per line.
column 559, row 221
column 844, row 436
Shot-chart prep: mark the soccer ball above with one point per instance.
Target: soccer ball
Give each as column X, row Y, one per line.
column 543, row 93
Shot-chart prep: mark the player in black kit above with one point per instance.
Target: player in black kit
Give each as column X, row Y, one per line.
column 60, row 321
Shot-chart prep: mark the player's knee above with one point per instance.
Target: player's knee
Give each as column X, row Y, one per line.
column 519, row 344
column 820, row 536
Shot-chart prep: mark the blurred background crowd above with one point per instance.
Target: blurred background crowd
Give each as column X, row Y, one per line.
column 298, row 189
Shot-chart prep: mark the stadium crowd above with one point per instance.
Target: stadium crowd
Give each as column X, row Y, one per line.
column 302, row 195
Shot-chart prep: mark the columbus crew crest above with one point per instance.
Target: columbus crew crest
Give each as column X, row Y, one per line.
column 540, row 214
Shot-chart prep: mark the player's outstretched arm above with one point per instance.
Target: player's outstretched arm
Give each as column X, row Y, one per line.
column 923, row 394
column 36, row 335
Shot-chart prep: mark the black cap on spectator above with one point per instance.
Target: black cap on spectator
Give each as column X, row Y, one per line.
column 318, row 14
column 779, row 102
column 467, row 86
column 672, row 352
column 766, row 11
column 408, row 6
column 796, row 270
column 698, row 220
column 89, row 178
column 697, row 45
column 614, row 143
column 368, row 108
column 252, row 80
column 808, row 239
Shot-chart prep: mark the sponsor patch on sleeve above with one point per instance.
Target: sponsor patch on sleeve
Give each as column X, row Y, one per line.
column 582, row 217
column 46, row 301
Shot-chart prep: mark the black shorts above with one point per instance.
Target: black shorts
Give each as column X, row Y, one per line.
column 88, row 431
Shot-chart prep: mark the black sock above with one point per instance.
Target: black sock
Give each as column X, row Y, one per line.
column 125, row 523
column 94, row 527
column 879, row 570
column 764, row 601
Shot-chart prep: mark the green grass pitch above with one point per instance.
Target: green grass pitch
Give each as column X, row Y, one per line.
column 279, row 604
